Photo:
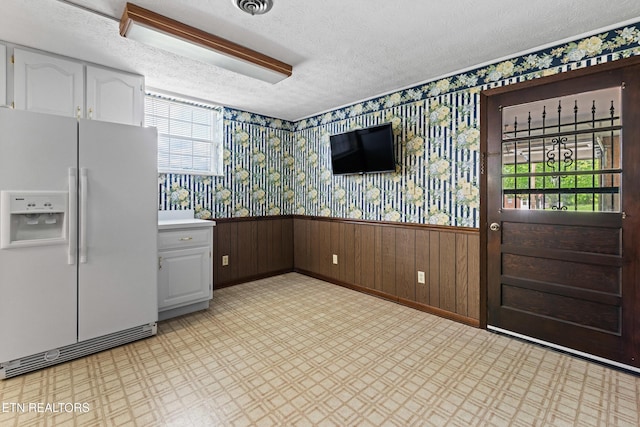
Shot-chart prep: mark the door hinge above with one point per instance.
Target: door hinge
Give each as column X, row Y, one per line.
column 13, row 59
column 483, row 159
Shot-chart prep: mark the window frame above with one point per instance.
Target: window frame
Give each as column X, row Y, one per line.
column 217, row 137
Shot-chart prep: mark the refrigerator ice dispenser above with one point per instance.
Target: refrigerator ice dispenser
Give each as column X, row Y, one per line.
column 33, row 218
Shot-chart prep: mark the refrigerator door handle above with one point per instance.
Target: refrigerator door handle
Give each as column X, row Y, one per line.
column 83, row 215
column 73, row 216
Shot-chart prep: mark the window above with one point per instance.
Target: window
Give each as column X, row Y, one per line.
column 189, row 135
column 564, row 153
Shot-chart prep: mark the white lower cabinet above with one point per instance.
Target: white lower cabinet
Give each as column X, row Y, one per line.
column 183, row 277
column 185, row 281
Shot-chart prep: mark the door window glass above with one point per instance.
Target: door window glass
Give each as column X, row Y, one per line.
column 563, row 153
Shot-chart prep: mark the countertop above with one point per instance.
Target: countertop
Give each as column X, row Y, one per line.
column 168, row 220
column 169, row 224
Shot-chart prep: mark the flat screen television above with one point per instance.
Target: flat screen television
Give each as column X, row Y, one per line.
column 363, row 151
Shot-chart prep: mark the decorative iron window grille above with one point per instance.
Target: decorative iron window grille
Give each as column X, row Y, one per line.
column 563, row 153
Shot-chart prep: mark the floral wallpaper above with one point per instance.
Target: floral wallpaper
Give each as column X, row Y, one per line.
column 275, row 167
column 255, row 181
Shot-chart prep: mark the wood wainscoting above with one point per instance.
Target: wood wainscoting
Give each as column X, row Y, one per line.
column 383, row 259
column 257, row 247
column 378, row 258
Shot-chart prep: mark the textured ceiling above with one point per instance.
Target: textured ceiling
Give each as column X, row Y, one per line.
column 342, row 51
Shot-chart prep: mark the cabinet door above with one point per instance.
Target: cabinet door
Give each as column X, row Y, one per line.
column 114, row 96
column 3, row 74
column 47, row 84
column 183, row 277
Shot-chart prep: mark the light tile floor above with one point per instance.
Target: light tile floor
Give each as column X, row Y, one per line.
column 292, row 350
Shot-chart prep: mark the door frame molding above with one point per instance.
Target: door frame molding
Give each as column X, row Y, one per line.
column 488, row 107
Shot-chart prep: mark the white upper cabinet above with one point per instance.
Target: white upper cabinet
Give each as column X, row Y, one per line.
column 53, row 85
column 114, row 96
column 3, row 74
column 47, row 84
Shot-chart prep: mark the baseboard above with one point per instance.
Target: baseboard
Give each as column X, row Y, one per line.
column 406, row 302
column 179, row 311
column 242, row 280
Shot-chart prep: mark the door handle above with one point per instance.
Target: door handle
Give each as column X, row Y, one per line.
column 73, row 216
column 84, row 191
column 494, row 226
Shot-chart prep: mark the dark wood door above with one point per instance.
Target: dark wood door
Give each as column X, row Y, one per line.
column 561, row 210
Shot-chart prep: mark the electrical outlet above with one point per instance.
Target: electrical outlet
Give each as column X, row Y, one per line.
column 421, row 278
column 225, row 260
column 335, row 259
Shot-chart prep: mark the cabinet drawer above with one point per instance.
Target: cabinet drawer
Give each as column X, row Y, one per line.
column 184, row 238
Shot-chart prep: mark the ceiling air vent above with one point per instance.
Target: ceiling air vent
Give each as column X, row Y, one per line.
column 254, row 7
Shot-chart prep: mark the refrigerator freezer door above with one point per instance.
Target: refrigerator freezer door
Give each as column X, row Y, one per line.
column 117, row 287
column 38, row 305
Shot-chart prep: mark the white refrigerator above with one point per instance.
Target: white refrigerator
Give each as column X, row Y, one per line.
column 78, row 238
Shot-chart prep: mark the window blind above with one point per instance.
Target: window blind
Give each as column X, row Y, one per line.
column 189, row 135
